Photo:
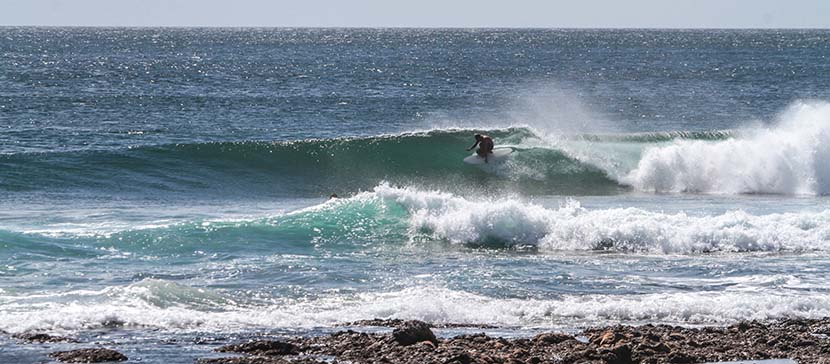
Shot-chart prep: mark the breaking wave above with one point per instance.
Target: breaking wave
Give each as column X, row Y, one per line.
column 391, row 215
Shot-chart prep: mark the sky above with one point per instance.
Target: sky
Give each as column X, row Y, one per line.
column 422, row 13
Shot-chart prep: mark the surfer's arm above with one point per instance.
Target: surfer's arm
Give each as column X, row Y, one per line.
column 474, row 145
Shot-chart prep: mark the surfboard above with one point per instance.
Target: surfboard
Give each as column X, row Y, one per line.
column 499, row 155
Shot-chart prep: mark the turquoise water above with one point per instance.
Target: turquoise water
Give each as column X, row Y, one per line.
column 165, row 190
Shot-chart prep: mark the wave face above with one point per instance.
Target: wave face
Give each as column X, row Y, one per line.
column 571, row 164
column 300, row 168
column 789, row 158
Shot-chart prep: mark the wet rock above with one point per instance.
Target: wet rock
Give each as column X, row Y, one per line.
column 242, row 360
column 261, row 347
column 398, row 322
column 458, row 326
column 411, row 332
column 258, row 360
column 376, row 322
column 207, row 340
column 112, row 323
column 43, row 338
column 88, row 356
column 551, row 338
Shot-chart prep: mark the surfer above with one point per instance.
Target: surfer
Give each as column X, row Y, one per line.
column 485, row 144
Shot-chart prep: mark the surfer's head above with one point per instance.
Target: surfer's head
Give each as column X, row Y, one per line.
column 478, row 137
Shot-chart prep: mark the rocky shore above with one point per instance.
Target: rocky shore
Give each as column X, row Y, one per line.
column 803, row 340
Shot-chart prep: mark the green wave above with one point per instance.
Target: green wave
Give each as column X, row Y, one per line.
column 318, row 167
column 338, row 224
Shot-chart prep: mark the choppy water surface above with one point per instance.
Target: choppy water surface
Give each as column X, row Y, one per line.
column 170, row 185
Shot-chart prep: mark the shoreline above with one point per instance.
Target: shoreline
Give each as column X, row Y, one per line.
column 805, row 341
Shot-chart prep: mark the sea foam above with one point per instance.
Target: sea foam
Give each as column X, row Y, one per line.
column 142, row 305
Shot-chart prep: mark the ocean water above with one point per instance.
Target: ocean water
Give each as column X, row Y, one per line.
column 164, row 191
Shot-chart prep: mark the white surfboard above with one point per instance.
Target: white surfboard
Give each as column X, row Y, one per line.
column 499, row 155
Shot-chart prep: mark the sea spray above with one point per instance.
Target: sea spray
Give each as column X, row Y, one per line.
column 790, row 157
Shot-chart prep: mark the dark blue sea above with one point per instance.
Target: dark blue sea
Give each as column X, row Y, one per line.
column 165, row 191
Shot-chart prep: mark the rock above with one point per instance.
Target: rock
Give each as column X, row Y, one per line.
column 619, row 354
column 606, row 338
column 551, row 338
column 681, row 358
column 742, row 326
column 262, row 348
column 411, row 332
column 257, row 360
column 519, row 353
column 112, row 323
column 376, row 322
column 677, row 337
column 462, row 358
column 242, row 360
column 43, row 338
column 88, row 356
column 428, row 345
column 661, row 348
column 622, row 354
column 397, row 322
column 647, row 344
